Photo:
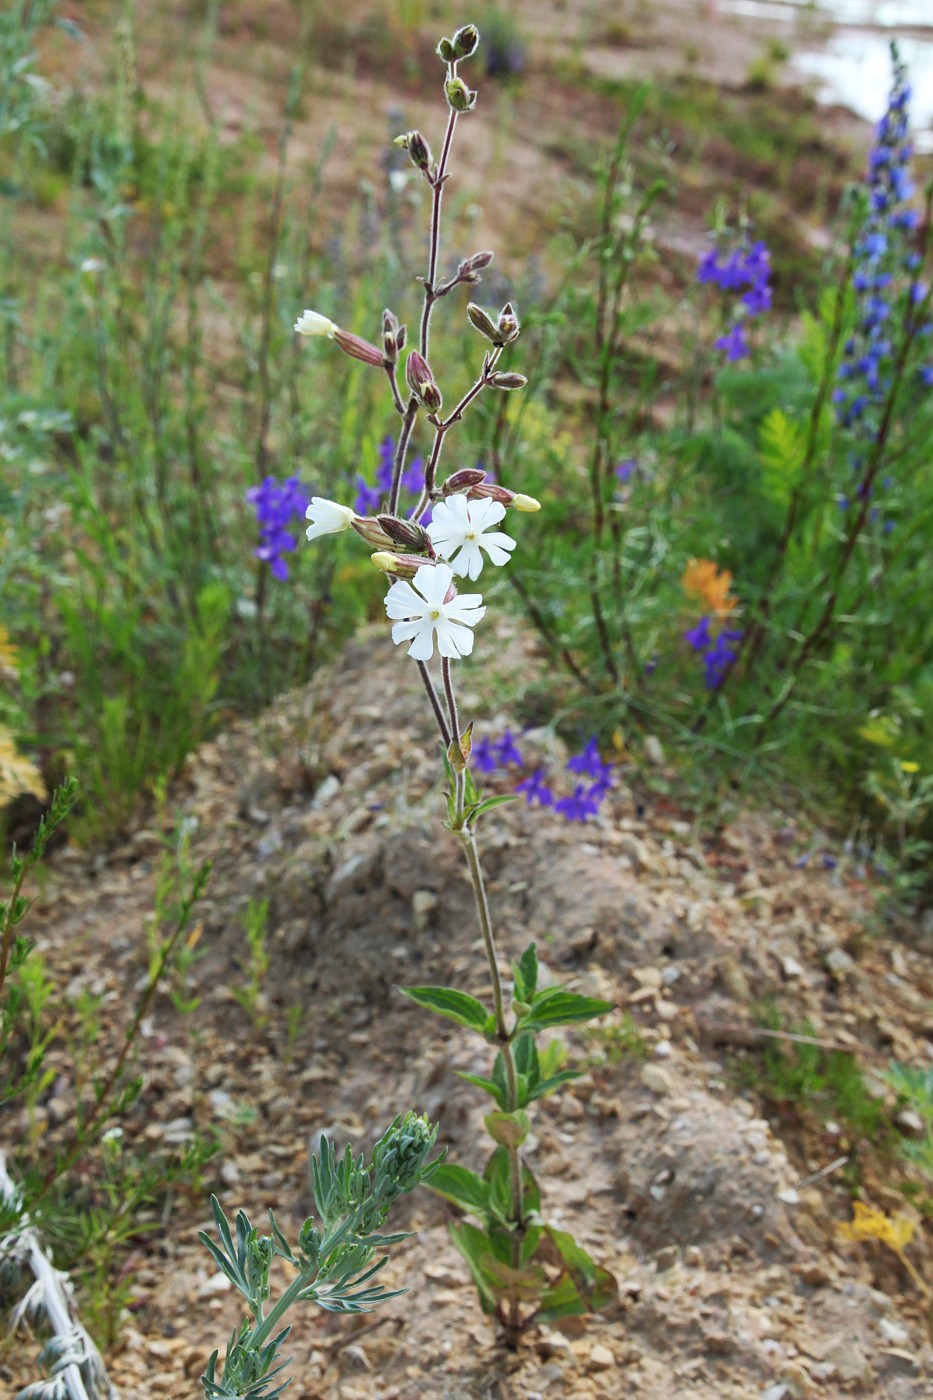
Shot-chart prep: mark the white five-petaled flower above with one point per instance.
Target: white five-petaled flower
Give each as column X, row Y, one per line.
column 327, row 517
column 458, row 532
column 422, row 612
column 313, row 323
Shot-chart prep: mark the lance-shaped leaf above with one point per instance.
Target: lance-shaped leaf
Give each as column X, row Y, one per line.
column 464, row 1188
column 556, row 1007
column 476, row 1248
column 526, row 974
column 455, row 1005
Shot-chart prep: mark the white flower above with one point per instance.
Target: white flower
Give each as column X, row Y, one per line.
column 327, row 517
column 422, row 612
column 313, row 323
column 457, row 533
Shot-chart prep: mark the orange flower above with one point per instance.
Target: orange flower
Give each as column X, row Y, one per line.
column 702, row 579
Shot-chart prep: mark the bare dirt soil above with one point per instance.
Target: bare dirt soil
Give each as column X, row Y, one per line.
column 733, row 1278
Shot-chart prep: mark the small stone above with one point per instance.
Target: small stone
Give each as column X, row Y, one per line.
column 423, row 905
column 663, row 1049
column 354, row 1360
column 791, row 968
column 893, row 1332
column 693, row 1257
column 839, row 962
column 637, row 854
column 776, row 1392
column 734, row 979
column 908, row 1120
column 601, row 1358
column 849, row 1360
column 666, row 1258
column 656, row 1079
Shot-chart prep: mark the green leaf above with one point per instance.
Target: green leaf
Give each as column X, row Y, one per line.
column 596, row 1286
column 475, row 810
column 554, row 1081
column 508, row 1129
column 456, row 1006
column 526, row 974
column 476, row 1248
column 464, row 1188
column 496, row 1090
column 499, row 1177
column 516, row 1285
column 555, row 1007
column 782, row 448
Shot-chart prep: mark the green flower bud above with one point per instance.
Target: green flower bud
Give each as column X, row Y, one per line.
column 445, row 51
column 465, row 41
column 483, row 323
column 459, row 96
column 417, row 147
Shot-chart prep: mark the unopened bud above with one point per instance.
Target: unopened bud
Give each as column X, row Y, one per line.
column 445, row 51
column 492, row 491
column 483, row 323
column 463, row 480
column 372, row 532
column 421, row 382
column 359, row 349
column 390, row 336
column 408, row 533
column 470, row 269
column 398, row 565
column 465, row 41
column 504, row 379
column 508, row 324
column 417, row 147
column 526, row 503
column 459, row 96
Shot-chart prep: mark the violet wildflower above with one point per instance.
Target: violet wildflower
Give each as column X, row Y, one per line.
column 578, row 806
column 627, row 469
column 535, row 789
column 887, row 291
column 719, row 658
column 483, row 757
column 748, row 266
column 507, row 751
column 699, row 637
column 276, row 506
column 588, row 763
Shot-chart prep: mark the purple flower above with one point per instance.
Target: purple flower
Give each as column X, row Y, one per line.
column 578, row 807
column 368, row 498
column 483, row 757
column 734, row 343
column 718, row 660
column 627, row 469
column 276, row 505
column 699, row 637
column 535, row 789
column 506, row 751
column 588, row 763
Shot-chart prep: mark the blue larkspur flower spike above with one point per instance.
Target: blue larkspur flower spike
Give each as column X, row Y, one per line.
column 747, row 267
column 886, row 289
column 276, row 506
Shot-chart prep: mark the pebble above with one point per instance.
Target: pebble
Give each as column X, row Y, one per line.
column 791, row 968
column 601, row 1358
column 636, row 852
column 656, row 1079
column 839, row 962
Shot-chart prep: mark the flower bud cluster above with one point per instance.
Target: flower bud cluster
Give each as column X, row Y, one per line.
column 421, row 382
column 501, row 331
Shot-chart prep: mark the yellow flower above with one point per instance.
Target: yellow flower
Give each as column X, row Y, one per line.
column 908, row 766
column 703, row 579
column 17, row 774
